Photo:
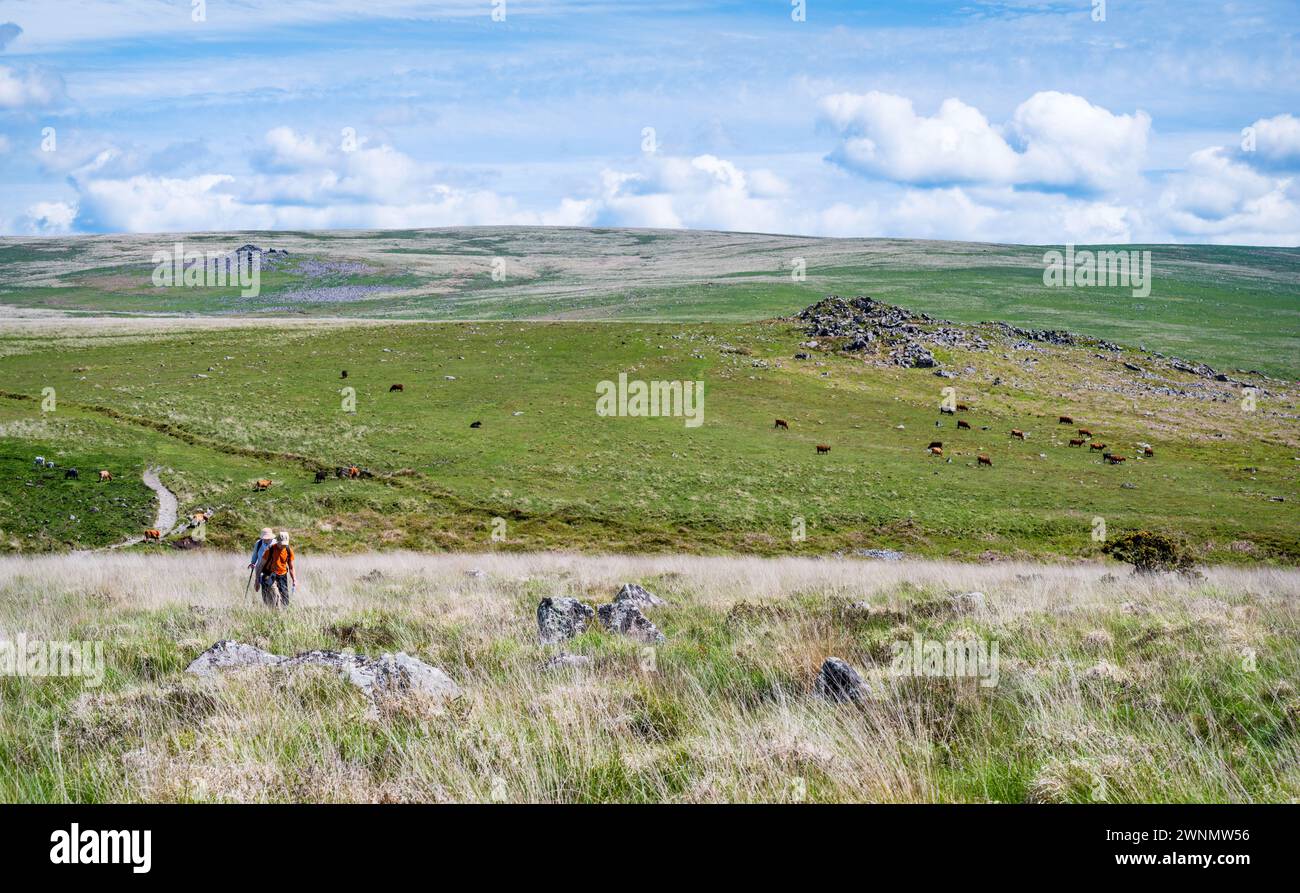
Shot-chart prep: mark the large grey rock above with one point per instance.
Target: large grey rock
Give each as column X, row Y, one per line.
column 837, row 681
column 228, row 655
column 625, row 617
column 560, row 619
column 638, row 595
column 386, row 675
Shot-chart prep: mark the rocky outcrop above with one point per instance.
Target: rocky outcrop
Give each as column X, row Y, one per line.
column 902, row 336
column 625, row 618
column 638, row 595
column 837, row 681
column 386, row 676
column 561, row 618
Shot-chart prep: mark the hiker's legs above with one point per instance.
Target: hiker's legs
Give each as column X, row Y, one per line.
column 282, row 583
column 266, row 583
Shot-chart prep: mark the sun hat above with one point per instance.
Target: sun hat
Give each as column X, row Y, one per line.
column 268, row 534
column 283, row 537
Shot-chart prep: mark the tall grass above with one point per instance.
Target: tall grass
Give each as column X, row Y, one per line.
column 1111, row 687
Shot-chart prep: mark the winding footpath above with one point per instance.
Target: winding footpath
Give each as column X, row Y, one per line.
column 167, row 507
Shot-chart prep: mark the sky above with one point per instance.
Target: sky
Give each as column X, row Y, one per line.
column 988, row 120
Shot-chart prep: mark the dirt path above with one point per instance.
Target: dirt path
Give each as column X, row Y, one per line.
column 164, row 521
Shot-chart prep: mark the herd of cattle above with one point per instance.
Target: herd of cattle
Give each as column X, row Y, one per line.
column 71, row 474
column 935, row 447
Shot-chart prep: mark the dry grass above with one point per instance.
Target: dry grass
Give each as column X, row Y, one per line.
column 1111, row 686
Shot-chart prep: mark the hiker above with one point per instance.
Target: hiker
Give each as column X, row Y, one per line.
column 259, row 546
column 277, row 572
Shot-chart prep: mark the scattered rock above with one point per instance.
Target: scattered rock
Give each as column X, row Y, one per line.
column 566, row 661
column 837, row 681
column 638, row 595
column 560, row 619
column 385, row 676
column 968, row 602
column 626, row 618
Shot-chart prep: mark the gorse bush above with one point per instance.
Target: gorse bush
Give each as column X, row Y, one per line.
column 1151, row 553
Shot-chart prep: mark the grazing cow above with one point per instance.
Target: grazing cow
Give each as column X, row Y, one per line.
column 944, row 410
column 782, row 423
column 1096, row 447
column 105, row 476
column 963, row 424
column 983, row 460
column 153, row 536
column 262, row 484
column 340, row 472
column 70, row 474
column 49, row 463
column 1077, row 441
column 822, row 448
column 320, row 477
column 935, row 443
column 1114, row 459
column 345, row 374
column 962, row 407
column 395, row 387
column 1084, row 432
column 354, row 472
column 1064, row 420
column 1148, row 452
column 936, row 451
column 476, row 424
column 1016, row 432
column 200, row 517
column 40, row 461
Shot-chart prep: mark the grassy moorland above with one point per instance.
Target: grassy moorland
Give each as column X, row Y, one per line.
column 1108, row 687
column 217, row 408
column 1234, row 307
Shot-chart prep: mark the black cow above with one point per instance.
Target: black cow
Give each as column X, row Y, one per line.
column 320, row 477
column 70, row 474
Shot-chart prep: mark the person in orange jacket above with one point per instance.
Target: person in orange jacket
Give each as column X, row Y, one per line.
column 278, row 572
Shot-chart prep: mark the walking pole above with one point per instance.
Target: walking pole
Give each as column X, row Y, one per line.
column 250, row 581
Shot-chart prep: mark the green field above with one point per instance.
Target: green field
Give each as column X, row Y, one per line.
column 217, row 408
column 1232, row 307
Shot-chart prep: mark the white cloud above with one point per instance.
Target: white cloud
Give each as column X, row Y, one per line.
column 1053, row 141
column 48, row 218
column 1276, row 143
column 29, row 87
column 1218, row 198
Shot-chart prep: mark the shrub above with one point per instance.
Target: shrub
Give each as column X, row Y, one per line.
column 1151, row 553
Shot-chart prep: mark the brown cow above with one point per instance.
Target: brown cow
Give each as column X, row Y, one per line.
column 153, row 536
column 395, row 387
column 936, row 451
column 782, row 423
column 1064, row 420
column 983, row 460
column 262, row 484
column 1148, row 452
column 1084, row 432
column 962, row 407
column 963, row 424
column 105, row 476
column 822, row 448
column 1113, row 459
column 935, row 443
column 1077, row 441
column 1096, row 447
column 1016, row 432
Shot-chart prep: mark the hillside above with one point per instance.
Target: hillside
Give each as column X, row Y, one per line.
column 1227, row 306
column 220, row 405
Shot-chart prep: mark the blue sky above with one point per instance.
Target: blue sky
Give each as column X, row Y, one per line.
column 994, row 121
